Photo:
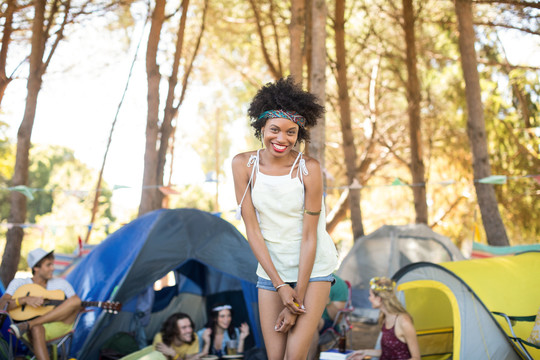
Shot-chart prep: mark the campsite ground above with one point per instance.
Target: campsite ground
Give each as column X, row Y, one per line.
column 364, row 335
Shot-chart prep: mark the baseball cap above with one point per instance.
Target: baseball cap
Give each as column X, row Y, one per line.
column 35, row 256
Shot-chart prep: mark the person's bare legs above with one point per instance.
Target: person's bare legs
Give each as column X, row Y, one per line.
column 314, row 346
column 37, row 338
column 270, row 306
column 300, row 336
column 66, row 312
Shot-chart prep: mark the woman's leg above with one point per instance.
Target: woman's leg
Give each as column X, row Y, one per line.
column 299, row 338
column 269, row 308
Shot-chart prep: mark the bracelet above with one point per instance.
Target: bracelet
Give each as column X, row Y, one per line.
column 176, row 356
column 312, row 212
column 17, row 302
column 277, row 287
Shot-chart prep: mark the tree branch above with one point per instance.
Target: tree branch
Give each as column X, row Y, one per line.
column 267, row 59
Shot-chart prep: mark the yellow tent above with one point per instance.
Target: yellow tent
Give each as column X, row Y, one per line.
column 452, row 305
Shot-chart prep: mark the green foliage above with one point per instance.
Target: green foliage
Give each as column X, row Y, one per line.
column 193, row 196
column 63, row 198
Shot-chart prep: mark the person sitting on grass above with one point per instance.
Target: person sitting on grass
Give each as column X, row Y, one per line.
column 57, row 322
column 398, row 341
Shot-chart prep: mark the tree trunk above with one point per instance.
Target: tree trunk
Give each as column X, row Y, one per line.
column 296, row 29
column 476, row 129
column 338, row 213
column 17, row 213
column 349, row 148
column 150, row 199
column 413, row 98
column 6, row 38
column 315, row 147
column 308, row 41
column 170, row 110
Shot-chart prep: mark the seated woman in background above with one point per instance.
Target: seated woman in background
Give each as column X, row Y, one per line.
column 219, row 331
column 398, row 341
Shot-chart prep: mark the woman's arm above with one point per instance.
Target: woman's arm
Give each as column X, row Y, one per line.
column 360, row 354
column 241, row 175
column 405, row 329
column 308, row 247
column 205, row 337
column 242, row 334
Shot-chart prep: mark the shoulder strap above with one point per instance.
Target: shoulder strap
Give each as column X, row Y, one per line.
column 294, row 163
column 302, row 169
column 253, row 161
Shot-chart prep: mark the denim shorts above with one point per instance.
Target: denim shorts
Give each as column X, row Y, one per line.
column 267, row 284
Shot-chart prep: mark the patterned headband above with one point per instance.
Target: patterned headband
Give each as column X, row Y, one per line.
column 291, row 115
column 222, row 307
column 373, row 284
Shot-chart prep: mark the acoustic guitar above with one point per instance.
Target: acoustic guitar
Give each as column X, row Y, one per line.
column 52, row 298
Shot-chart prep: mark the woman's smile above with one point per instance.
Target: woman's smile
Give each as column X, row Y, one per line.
column 279, row 148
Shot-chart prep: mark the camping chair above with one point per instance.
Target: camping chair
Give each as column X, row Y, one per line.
column 523, row 346
column 342, row 324
column 57, row 346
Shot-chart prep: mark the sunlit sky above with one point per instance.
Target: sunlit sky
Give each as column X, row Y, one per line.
column 81, row 93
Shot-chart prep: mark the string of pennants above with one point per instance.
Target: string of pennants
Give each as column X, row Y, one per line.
column 42, row 228
column 493, row 179
column 167, row 190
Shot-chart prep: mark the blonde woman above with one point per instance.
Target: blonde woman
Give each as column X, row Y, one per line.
column 398, row 341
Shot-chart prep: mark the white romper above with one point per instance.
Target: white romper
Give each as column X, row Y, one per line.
column 279, row 204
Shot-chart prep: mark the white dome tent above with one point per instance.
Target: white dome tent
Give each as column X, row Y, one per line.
column 384, row 252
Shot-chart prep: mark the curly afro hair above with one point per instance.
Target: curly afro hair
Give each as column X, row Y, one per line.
column 286, row 95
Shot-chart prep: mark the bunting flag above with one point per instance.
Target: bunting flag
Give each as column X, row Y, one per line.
column 25, row 190
column 169, row 190
column 80, row 245
column 398, row 182
column 493, row 179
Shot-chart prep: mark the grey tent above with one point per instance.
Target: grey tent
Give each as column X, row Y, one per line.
column 384, row 252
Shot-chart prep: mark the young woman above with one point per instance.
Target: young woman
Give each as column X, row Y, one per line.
column 398, row 341
column 220, row 330
column 280, row 196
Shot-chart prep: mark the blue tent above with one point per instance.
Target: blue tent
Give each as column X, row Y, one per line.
column 211, row 262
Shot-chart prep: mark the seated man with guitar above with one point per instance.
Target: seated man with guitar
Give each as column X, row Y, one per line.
column 26, row 301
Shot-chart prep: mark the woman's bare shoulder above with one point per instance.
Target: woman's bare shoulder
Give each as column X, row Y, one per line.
column 405, row 321
column 312, row 164
column 243, row 158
